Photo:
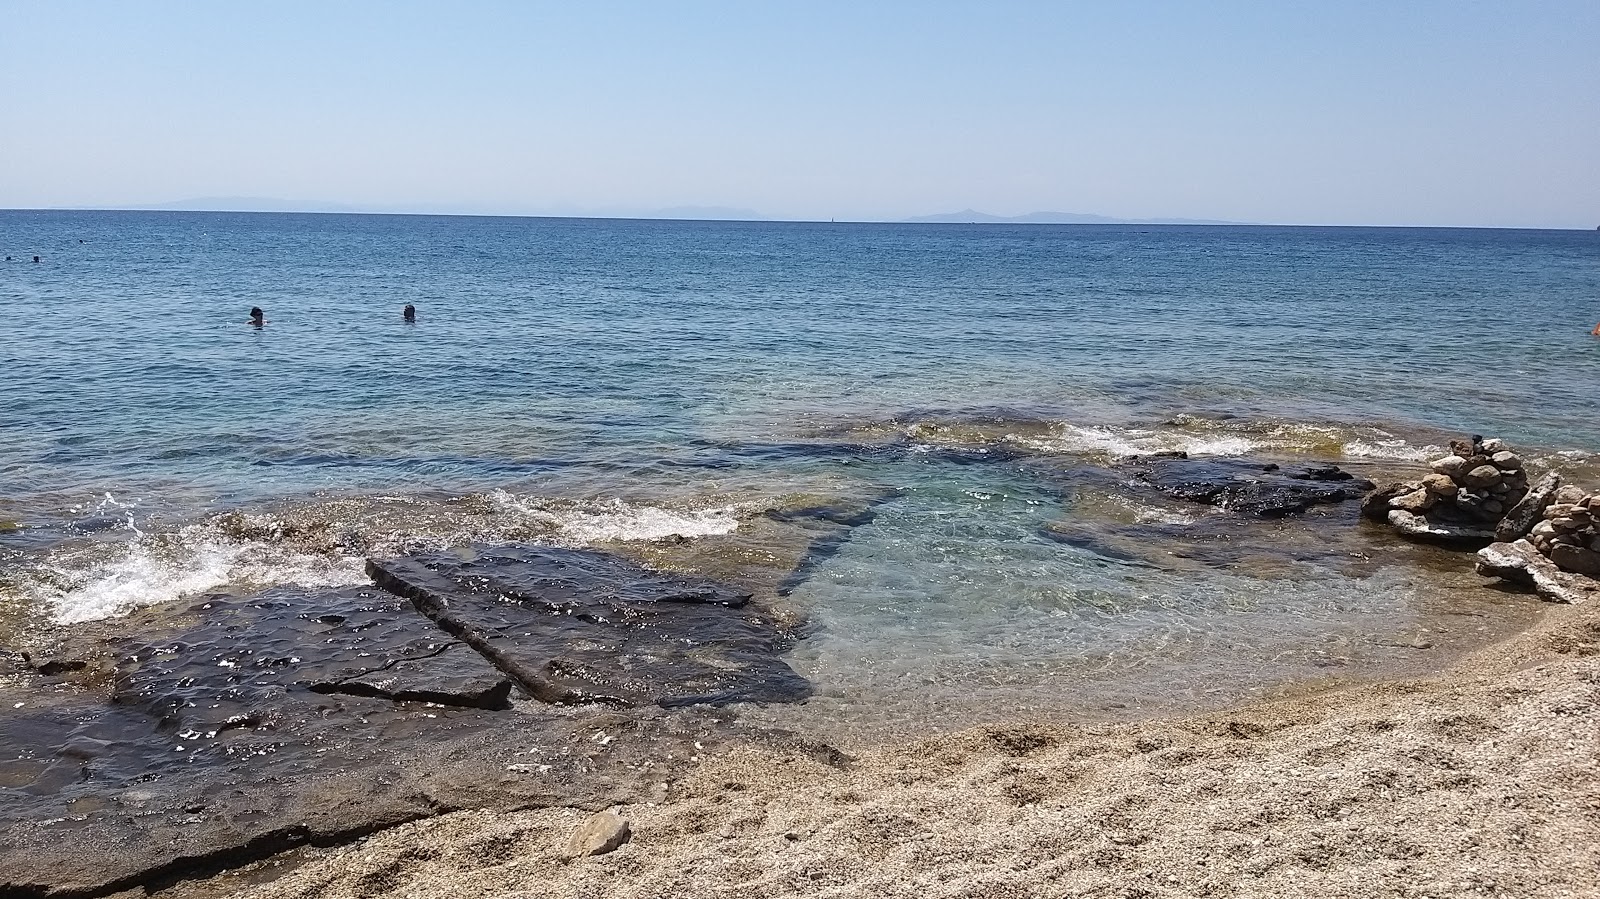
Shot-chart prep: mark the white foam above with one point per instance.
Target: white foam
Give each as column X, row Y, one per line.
column 1116, row 442
column 1391, row 449
column 89, row 586
column 616, row 520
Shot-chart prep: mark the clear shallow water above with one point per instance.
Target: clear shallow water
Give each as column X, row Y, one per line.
column 597, row 381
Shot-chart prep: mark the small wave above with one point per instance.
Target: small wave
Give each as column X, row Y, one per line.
column 107, row 581
column 1395, row 449
column 1230, row 437
column 616, row 520
column 1119, row 442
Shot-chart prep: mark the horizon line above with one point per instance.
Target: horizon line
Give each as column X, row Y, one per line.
column 798, row 221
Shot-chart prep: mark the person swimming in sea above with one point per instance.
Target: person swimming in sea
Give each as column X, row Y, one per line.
column 1596, row 331
column 409, row 313
column 257, row 317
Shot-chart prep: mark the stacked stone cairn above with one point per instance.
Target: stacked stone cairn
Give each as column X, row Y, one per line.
column 1549, row 543
column 1569, row 534
column 1461, row 499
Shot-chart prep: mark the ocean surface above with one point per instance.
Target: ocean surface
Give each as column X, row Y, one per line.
column 615, row 383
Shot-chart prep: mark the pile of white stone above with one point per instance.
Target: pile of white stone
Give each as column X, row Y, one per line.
column 1463, row 497
column 1568, row 534
column 1550, row 543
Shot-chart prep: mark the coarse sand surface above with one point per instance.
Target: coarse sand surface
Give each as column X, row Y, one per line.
column 1481, row 781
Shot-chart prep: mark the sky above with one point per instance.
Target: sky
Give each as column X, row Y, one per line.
column 1457, row 113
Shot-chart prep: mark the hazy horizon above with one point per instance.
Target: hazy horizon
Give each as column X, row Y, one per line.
column 1434, row 114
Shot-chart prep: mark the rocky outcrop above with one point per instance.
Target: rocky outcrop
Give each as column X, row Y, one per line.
column 1559, row 558
column 1521, row 564
column 1460, row 500
column 1249, row 487
column 573, row 626
column 1529, row 510
column 1569, row 532
column 187, row 739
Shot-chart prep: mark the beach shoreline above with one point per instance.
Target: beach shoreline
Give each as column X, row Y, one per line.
column 1480, row 780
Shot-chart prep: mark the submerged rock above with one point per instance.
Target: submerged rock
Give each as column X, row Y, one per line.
column 244, row 656
column 573, row 626
column 188, row 739
column 1250, row 487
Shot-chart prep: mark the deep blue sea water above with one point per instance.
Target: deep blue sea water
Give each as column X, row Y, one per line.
column 628, row 380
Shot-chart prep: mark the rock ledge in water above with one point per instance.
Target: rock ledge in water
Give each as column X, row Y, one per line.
column 574, row 626
column 1248, row 486
column 1520, row 563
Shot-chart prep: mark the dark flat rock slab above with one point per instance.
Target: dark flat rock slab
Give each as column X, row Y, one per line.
column 574, row 626
column 184, row 740
column 241, row 655
column 1248, row 486
column 453, row 675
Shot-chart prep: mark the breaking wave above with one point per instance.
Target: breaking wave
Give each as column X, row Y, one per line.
column 322, row 544
column 108, row 580
column 617, row 520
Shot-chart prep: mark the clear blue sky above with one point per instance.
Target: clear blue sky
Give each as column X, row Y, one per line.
column 1449, row 113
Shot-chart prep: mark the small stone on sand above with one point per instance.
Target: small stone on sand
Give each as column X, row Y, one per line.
column 600, row 834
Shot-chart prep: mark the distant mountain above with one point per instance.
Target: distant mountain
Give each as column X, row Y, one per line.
column 972, row 216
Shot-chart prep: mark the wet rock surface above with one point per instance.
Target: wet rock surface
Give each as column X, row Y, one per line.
column 183, row 740
column 1248, row 486
column 579, row 626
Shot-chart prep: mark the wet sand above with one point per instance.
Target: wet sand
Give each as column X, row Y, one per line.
column 1481, row 781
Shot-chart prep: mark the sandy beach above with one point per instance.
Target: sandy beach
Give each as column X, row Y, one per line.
column 1481, row 781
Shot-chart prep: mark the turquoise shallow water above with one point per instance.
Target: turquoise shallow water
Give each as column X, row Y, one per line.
column 629, row 380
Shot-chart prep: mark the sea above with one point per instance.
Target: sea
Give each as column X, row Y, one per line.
column 968, row 392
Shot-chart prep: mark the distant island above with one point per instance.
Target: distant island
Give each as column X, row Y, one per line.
column 974, row 217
